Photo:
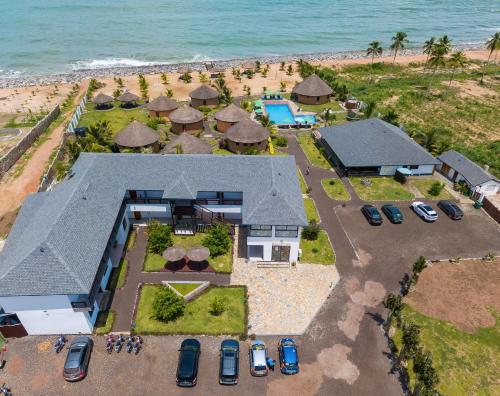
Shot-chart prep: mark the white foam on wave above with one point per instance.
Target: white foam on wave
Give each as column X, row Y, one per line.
column 111, row 62
column 10, row 73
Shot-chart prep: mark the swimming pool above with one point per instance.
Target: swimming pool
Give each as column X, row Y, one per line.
column 280, row 114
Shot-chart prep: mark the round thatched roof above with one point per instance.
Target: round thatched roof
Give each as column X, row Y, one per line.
column 198, row 253
column 312, row 86
column 101, row 98
column 231, row 113
column 247, row 131
column 135, row 135
column 185, row 115
column 190, row 145
column 127, row 97
column 204, row 92
column 162, row 103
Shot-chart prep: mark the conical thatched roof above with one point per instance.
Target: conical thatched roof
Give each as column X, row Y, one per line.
column 127, row 97
column 231, row 113
column 247, row 131
column 101, row 98
column 135, row 135
column 162, row 103
column 312, row 86
column 190, row 145
column 186, row 115
column 204, row 92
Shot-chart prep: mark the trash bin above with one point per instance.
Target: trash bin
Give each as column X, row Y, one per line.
column 478, row 205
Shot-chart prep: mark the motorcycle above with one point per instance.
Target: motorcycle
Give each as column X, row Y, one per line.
column 109, row 344
column 130, row 344
column 119, row 343
column 137, row 345
column 59, row 345
column 5, row 391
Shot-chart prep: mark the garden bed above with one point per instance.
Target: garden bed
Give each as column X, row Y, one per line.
column 423, row 185
column 381, row 189
column 335, row 189
column 319, row 251
column 118, row 118
column 311, row 211
column 312, row 152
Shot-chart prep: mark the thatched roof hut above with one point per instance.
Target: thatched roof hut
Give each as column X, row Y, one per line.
column 162, row 106
column 189, row 144
column 247, row 134
column 204, row 95
column 127, row 97
column 229, row 116
column 186, row 118
column 136, row 135
column 313, row 90
column 101, row 99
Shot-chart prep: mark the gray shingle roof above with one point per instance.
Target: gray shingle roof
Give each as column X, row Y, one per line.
column 59, row 237
column 374, row 142
column 472, row 172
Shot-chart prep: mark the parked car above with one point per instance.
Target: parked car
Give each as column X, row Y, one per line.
column 229, row 362
column 451, row 209
column 77, row 361
column 424, row 211
column 257, row 356
column 372, row 214
column 393, row 213
column 289, row 358
column 187, row 368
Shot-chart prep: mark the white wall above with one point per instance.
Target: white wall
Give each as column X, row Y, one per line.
column 489, row 188
column 223, row 208
column 268, row 242
column 150, row 210
column 421, row 170
column 121, row 235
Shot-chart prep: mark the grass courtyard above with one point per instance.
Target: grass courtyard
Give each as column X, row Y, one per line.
column 196, row 319
column 319, row 251
column 118, row 118
column 312, row 152
column 423, row 186
column 184, row 288
column 381, row 189
column 302, row 182
column 335, row 189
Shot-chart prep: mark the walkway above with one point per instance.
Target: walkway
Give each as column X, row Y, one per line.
column 124, row 299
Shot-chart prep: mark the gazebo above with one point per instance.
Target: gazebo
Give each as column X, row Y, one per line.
column 187, row 144
column 162, row 106
column 204, row 95
column 102, row 101
column 313, row 90
column 229, row 116
column 136, row 135
column 245, row 135
column 128, row 99
column 186, row 119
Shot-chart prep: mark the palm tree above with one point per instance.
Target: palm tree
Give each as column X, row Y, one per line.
column 374, row 50
column 437, row 59
column 398, row 43
column 458, row 59
column 446, row 43
column 369, row 109
column 428, row 47
column 493, row 44
column 329, row 117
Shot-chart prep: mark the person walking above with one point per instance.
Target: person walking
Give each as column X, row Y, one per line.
column 270, row 363
column 307, row 170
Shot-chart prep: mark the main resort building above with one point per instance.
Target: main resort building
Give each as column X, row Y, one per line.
column 57, row 260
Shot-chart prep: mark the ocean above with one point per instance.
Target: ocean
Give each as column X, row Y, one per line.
column 39, row 37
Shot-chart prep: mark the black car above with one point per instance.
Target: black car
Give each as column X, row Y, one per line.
column 393, row 213
column 187, row 368
column 451, row 209
column 77, row 361
column 229, row 362
column 372, row 214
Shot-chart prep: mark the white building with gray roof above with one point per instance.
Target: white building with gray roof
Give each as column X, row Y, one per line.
column 57, row 260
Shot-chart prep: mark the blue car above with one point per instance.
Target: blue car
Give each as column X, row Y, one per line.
column 289, row 358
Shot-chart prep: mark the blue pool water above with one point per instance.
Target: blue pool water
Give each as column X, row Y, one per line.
column 280, row 114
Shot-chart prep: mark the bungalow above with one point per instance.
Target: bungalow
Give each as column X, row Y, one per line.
column 57, row 260
column 458, row 168
column 374, row 148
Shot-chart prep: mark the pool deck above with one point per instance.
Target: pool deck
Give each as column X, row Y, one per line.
column 294, row 109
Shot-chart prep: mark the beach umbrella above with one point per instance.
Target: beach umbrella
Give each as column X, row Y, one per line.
column 174, row 253
column 198, row 253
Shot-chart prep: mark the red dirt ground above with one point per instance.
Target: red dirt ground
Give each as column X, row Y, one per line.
column 459, row 293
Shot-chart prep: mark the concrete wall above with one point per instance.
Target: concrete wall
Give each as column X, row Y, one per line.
column 153, row 211
column 243, row 147
column 49, row 176
column 491, row 209
column 209, row 102
column 268, row 242
column 312, row 100
column 190, row 128
column 20, row 148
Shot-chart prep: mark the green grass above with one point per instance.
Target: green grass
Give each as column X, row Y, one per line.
column 221, row 151
column 224, row 263
column 104, row 322
column 197, row 318
column 317, row 108
column 117, row 117
column 312, row 152
column 122, row 274
column 311, row 211
column 381, row 189
column 467, row 364
column 131, row 239
column 184, row 288
column 335, row 190
column 423, row 186
column 302, row 182
column 319, row 251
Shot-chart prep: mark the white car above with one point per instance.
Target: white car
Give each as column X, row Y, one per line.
column 424, row 211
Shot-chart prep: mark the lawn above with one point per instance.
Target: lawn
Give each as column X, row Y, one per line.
column 117, row 117
column 335, row 189
column 467, row 364
column 224, row 263
column 319, row 251
column 311, row 211
column 302, row 182
column 184, row 288
column 423, row 186
column 381, row 189
column 312, row 152
column 104, row 322
column 221, row 151
column 196, row 319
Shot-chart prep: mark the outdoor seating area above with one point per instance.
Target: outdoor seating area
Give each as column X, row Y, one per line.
column 194, row 259
column 128, row 100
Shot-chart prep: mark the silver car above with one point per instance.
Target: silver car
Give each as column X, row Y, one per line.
column 425, row 211
column 258, row 356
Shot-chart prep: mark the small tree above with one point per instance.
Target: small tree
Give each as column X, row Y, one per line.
column 436, row 188
column 410, row 340
column 257, row 66
column 164, row 79
column 289, row 70
column 159, row 238
column 283, row 86
column 116, row 93
column 187, row 78
column 169, row 92
column 282, row 66
column 394, row 304
column 248, row 90
column 218, row 305
column 426, row 374
column 218, row 240
column 311, row 231
column 202, row 77
column 167, row 305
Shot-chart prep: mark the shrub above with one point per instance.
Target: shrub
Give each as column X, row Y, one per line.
column 218, row 305
column 218, row 240
column 154, row 122
column 204, row 109
column 160, row 237
column 331, row 182
column 436, row 188
column 281, row 141
column 167, row 305
column 311, row 232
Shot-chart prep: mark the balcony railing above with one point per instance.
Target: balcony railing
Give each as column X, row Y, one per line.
column 216, row 201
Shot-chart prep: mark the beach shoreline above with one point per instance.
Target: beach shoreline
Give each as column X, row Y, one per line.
column 339, row 57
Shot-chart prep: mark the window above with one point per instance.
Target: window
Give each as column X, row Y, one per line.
column 287, row 231
column 124, row 224
column 260, row 231
column 413, row 166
